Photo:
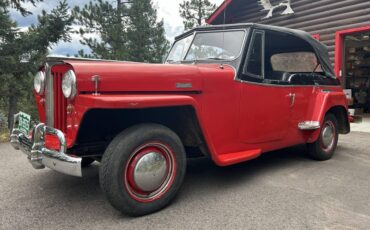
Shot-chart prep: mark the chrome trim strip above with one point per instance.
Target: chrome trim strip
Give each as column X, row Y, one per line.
column 56, row 58
column 184, row 85
column 40, row 156
column 309, row 125
column 49, row 96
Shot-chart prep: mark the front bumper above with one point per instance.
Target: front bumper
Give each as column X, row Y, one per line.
column 40, row 156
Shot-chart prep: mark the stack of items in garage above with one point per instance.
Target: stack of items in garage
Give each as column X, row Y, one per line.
column 357, row 74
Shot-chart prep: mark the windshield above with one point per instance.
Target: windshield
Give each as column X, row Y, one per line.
column 216, row 45
column 179, row 49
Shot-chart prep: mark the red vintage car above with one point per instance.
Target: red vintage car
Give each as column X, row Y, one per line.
column 230, row 92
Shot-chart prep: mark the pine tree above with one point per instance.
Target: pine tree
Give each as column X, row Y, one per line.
column 126, row 31
column 195, row 12
column 17, row 4
column 107, row 22
column 147, row 41
column 22, row 52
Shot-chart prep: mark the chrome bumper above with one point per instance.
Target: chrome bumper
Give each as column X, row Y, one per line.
column 39, row 156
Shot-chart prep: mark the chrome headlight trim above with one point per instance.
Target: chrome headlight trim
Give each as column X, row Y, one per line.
column 39, row 82
column 69, row 82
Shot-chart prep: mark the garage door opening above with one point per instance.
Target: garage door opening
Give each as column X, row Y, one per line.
column 352, row 64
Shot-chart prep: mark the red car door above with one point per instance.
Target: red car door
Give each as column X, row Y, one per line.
column 264, row 106
column 264, row 113
column 301, row 68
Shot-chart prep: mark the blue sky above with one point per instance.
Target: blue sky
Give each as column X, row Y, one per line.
column 167, row 9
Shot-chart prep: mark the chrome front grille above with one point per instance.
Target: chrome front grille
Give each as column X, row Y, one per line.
column 56, row 103
column 60, row 102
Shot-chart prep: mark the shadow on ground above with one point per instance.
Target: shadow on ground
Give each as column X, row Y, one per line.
column 201, row 174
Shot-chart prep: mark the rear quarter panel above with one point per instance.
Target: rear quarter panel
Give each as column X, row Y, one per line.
column 325, row 99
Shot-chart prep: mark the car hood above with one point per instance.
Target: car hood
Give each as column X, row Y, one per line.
column 115, row 77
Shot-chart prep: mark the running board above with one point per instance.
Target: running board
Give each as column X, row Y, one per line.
column 233, row 158
column 309, row 125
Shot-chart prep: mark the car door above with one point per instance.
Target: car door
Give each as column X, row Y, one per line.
column 264, row 107
column 302, row 85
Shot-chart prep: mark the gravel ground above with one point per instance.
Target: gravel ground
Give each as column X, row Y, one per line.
column 280, row 190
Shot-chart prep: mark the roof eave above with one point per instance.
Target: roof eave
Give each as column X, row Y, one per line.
column 218, row 11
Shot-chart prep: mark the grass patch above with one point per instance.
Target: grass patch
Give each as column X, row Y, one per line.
column 4, row 135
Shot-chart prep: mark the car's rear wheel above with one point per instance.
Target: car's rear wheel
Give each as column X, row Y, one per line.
column 324, row 147
column 142, row 169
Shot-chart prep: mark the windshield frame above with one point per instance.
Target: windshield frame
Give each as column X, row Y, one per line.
column 176, row 42
column 209, row 60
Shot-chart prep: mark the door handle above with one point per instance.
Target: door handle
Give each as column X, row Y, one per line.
column 292, row 99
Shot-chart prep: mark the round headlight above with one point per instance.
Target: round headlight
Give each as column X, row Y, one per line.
column 69, row 84
column 39, row 82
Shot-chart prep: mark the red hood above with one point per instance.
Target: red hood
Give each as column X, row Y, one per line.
column 139, row 77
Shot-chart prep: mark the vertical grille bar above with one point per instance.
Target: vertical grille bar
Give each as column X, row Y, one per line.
column 56, row 99
column 49, row 96
column 63, row 106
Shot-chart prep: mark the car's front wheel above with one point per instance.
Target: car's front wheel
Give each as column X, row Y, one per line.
column 142, row 169
column 324, row 147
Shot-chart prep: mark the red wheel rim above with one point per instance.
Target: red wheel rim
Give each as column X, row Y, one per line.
column 160, row 172
column 328, row 136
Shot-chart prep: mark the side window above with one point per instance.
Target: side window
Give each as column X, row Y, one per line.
column 295, row 62
column 254, row 65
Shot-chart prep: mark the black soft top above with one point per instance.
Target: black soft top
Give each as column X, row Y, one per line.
column 320, row 49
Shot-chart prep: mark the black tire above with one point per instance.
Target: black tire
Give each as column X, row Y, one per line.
column 320, row 150
column 86, row 161
column 123, row 150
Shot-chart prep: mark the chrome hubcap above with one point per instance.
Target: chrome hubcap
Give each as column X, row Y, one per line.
column 150, row 171
column 327, row 136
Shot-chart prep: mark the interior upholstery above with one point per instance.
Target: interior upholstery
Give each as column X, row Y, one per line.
column 277, row 75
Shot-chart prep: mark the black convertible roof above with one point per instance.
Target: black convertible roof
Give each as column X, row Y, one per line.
column 320, row 49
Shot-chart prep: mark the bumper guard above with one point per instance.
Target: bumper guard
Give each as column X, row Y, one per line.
column 39, row 156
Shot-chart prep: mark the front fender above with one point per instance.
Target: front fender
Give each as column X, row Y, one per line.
column 85, row 103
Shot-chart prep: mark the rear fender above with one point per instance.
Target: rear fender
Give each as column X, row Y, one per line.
column 330, row 102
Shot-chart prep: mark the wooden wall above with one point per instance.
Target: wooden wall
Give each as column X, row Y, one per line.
column 323, row 17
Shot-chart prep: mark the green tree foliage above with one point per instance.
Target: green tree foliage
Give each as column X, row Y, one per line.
column 108, row 22
column 17, row 4
column 126, row 30
column 195, row 12
column 146, row 36
column 22, row 51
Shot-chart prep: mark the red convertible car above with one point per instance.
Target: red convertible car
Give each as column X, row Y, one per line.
column 230, row 92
